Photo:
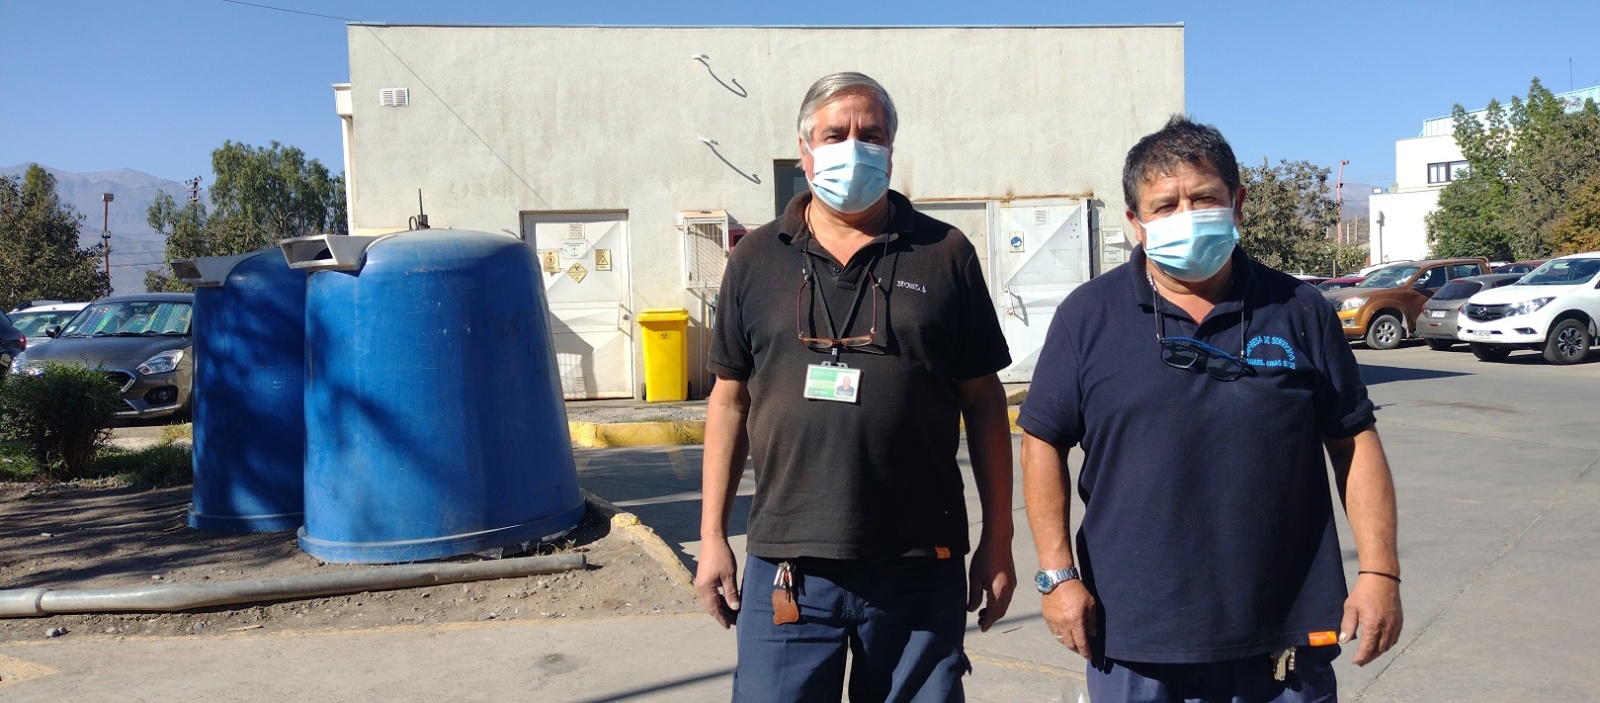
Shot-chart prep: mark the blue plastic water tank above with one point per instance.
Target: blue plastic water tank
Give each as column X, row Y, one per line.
column 435, row 422
column 248, row 394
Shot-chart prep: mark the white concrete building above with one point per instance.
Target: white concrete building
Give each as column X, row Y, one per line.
column 1423, row 166
column 631, row 158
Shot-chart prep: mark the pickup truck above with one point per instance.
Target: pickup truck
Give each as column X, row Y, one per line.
column 1383, row 308
column 1552, row 309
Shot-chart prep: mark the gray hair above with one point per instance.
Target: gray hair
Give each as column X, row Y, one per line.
column 835, row 85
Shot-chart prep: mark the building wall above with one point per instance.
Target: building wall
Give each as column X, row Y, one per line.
column 510, row 120
column 1398, row 224
column 1412, row 156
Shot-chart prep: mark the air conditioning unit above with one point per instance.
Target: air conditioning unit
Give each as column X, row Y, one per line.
column 705, row 248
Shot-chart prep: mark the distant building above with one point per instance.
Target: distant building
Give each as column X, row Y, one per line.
column 632, row 158
column 1423, row 165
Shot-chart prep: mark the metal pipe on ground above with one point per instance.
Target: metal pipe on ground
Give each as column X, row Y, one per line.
column 36, row 602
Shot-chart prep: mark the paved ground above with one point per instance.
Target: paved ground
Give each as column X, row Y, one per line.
column 1500, row 537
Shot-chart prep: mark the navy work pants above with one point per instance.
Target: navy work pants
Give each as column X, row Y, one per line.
column 900, row 620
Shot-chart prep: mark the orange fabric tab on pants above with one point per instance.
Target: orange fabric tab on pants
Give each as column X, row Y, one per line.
column 941, row 552
column 1323, row 639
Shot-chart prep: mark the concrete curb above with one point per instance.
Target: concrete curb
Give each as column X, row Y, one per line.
column 593, row 435
column 639, row 533
column 599, row 435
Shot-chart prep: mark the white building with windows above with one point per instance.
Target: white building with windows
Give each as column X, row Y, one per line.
column 632, row 158
column 1424, row 165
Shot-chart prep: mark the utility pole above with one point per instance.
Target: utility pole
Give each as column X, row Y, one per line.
column 105, row 233
column 194, row 189
column 1338, row 229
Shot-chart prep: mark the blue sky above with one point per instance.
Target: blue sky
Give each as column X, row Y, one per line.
column 155, row 86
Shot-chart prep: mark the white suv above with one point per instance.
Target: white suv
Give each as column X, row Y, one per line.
column 1554, row 309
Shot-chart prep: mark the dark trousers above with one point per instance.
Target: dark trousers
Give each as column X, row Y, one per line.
column 1247, row 680
column 900, row 620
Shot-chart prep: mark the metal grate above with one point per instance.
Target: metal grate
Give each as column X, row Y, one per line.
column 1487, row 313
column 394, row 97
column 705, row 251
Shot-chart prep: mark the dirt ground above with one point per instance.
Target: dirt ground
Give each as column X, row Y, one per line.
column 68, row 537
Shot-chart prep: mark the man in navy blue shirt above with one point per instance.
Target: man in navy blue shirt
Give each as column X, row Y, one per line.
column 1203, row 388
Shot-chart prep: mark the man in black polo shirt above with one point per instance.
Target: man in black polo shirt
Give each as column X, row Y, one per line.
column 1203, row 388
column 852, row 337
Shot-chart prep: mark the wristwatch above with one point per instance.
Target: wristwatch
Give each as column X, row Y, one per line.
column 1048, row 579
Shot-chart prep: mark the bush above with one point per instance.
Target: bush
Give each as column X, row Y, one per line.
column 60, row 417
column 157, row 466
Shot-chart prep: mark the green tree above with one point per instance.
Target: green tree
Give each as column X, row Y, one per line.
column 1579, row 229
column 1289, row 214
column 1523, row 164
column 39, row 252
column 260, row 196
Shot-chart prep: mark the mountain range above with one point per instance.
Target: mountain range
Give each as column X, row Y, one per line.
column 135, row 246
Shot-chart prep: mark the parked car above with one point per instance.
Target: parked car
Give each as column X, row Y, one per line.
column 143, row 342
column 1437, row 326
column 1383, row 309
column 1553, row 310
column 1368, row 269
column 1338, row 283
column 1309, row 279
column 12, row 342
column 1520, row 266
column 35, row 319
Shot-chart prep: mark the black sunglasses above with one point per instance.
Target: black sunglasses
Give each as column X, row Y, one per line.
column 1190, row 354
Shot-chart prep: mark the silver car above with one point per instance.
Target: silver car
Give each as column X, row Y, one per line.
column 1437, row 323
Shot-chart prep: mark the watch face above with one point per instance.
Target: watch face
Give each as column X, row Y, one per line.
column 1043, row 581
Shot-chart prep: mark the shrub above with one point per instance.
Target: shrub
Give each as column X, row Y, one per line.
column 156, row 466
column 60, row 417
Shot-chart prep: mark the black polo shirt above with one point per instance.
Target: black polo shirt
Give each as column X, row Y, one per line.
column 1208, row 530
column 877, row 478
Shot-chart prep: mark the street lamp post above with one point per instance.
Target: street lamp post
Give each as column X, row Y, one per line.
column 105, row 234
column 1338, row 231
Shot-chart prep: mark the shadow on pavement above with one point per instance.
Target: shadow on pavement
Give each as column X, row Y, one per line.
column 645, row 691
column 1374, row 375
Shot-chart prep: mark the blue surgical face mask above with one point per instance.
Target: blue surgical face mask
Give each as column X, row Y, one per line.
column 1191, row 245
column 850, row 175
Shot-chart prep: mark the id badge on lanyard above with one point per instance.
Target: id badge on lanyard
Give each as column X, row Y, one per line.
column 833, row 380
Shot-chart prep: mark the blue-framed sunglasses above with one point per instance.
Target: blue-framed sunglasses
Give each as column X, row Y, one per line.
column 1190, row 354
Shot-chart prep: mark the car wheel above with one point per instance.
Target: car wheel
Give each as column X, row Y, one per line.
column 1567, row 343
column 1437, row 344
column 1489, row 352
column 1385, row 332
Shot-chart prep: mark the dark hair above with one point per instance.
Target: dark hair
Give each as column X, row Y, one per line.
column 1180, row 142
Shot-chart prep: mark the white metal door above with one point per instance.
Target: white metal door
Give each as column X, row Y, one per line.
column 584, row 258
column 1039, row 252
column 971, row 217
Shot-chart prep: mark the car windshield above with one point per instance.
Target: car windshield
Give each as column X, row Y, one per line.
column 1457, row 290
column 34, row 322
column 1562, row 272
column 1389, row 277
column 135, row 318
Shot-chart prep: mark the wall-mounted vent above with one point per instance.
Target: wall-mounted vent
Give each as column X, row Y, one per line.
column 705, row 248
column 394, row 97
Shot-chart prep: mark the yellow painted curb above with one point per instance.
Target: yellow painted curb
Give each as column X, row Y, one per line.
column 636, row 434
column 639, row 533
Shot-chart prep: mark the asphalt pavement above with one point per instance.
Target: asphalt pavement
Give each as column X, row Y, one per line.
column 1499, row 496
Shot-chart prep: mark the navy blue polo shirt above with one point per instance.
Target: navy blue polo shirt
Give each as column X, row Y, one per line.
column 1208, row 528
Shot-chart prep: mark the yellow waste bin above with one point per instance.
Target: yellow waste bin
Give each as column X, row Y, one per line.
column 666, row 354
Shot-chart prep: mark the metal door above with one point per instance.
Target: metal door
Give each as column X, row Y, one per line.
column 971, row 217
column 1039, row 252
column 584, row 257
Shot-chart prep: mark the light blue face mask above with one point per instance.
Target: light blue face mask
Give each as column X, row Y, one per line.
column 1191, row 245
column 850, row 175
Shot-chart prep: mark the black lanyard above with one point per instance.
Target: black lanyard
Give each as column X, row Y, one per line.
column 810, row 273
